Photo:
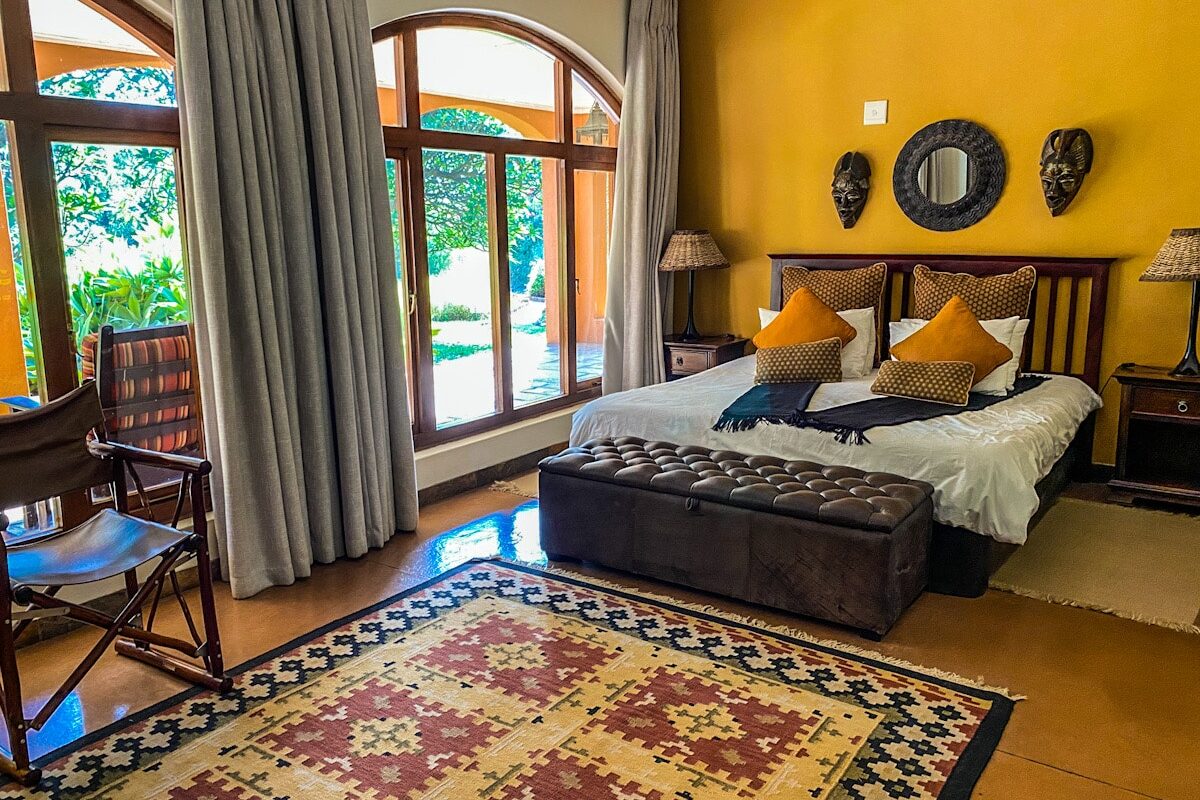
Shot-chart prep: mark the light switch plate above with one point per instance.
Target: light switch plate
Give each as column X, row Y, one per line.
column 875, row 112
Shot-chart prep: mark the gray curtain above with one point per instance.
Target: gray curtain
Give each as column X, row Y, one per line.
column 298, row 335
column 639, row 297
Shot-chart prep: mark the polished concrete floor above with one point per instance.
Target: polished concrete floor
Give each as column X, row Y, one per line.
column 1113, row 708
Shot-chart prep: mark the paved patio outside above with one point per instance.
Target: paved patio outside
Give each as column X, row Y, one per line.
column 463, row 387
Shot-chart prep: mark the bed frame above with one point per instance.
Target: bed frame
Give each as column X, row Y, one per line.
column 1066, row 336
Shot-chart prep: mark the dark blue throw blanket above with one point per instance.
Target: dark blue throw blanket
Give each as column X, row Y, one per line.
column 774, row 403
column 787, row 403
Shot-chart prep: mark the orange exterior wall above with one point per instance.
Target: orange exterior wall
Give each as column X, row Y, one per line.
column 12, row 353
column 54, row 58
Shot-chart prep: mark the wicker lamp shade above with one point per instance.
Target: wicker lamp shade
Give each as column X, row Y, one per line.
column 692, row 250
column 1179, row 258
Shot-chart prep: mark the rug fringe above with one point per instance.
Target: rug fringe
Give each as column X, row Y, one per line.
column 795, row 633
column 508, row 487
column 1060, row 600
column 1139, row 509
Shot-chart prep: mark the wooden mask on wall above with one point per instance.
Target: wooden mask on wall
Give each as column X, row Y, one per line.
column 1066, row 159
column 851, row 185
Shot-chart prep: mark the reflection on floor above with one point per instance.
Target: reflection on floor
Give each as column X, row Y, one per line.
column 1111, row 707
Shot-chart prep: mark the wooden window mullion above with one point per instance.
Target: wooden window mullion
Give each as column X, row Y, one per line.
column 422, row 336
column 19, row 59
column 501, row 299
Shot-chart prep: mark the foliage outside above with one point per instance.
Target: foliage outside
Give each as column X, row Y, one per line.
column 456, row 204
column 119, row 214
column 456, row 312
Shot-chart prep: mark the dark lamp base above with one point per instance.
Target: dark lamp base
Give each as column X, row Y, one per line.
column 1190, row 365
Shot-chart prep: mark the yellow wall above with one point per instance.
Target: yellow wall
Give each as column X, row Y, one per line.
column 773, row 93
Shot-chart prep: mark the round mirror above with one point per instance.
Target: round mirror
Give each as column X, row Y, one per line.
column 945, row 175
column 949, row 175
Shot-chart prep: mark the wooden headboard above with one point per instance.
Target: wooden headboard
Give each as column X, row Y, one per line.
column 1066, row 312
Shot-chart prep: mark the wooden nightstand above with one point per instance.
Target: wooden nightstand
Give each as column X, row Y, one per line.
column 688, row 358
column 1158, row 441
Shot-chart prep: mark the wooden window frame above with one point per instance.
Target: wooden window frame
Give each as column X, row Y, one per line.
column 405, row 142
column 35, row 122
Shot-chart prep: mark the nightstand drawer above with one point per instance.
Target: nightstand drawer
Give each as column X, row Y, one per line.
column 686, row 362
column 1177, row 403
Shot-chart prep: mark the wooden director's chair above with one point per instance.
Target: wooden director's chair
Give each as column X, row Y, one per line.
column 59, row 448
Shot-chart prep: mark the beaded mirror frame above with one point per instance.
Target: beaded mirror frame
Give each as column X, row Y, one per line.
column 986, row 175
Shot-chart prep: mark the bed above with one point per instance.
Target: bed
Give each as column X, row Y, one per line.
column 995, row 471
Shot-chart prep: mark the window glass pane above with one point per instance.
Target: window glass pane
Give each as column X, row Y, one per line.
column 460, row 285
column 533, row 187
column 119, row 216
column 82, row 53
column 482, row 82
column 387, row 81
column 119, row 213
column 593, row 125
column 593, row 225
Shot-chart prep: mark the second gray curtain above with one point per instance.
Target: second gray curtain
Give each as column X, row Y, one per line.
column 639, row 296
column 294, row 284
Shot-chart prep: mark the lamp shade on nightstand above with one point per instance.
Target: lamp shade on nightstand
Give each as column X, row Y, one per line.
column 691, row 251
column 1179, row 260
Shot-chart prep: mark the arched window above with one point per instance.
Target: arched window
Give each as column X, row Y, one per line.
column 501, row 150
column 93, row 236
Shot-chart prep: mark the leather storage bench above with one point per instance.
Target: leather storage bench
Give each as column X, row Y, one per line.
column 829, row 542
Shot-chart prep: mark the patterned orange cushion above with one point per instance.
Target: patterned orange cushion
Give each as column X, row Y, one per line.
column 813, row 361
column 954, row 335
column 938, row 381
column 804, row 319
column 991, row 297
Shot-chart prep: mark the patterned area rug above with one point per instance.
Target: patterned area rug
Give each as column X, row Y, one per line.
column 505, row 682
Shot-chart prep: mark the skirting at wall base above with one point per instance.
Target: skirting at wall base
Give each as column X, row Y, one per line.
column 486, row 476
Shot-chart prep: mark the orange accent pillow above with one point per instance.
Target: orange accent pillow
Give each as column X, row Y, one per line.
column 954, row 334
column 804, row 319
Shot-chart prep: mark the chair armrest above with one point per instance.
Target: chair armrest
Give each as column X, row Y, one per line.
column 151, row 458
column 20, row 403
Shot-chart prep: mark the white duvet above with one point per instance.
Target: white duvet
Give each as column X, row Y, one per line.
column 983, row 464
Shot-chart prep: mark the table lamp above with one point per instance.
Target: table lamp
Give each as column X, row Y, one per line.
column 1179, row 260
column 691, row 251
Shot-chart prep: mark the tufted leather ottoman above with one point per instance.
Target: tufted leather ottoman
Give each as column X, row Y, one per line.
column 834, row 543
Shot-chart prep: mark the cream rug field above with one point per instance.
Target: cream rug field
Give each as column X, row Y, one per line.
column 1136, row 563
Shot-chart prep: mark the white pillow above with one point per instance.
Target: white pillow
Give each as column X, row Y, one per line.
column 859, row 355
column 1009, row 332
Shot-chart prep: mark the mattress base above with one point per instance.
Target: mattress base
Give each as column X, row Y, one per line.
column 961, row 561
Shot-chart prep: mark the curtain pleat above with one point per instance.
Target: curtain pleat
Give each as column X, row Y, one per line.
column 638, row 303
column 294, row 285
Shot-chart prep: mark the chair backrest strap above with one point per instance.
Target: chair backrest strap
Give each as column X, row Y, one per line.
column 44, row 452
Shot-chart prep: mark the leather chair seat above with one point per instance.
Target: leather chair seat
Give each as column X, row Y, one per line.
column 106, row 545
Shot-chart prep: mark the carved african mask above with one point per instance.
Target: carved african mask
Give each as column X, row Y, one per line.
column 1066, row 159
column 851, row 184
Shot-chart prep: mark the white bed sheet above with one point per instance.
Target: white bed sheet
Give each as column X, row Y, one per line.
column 983, row 464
